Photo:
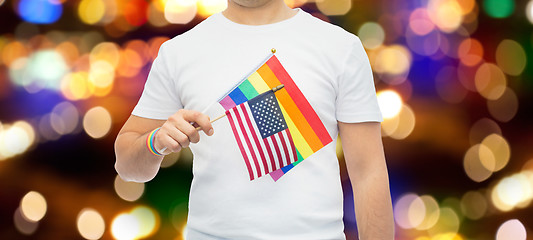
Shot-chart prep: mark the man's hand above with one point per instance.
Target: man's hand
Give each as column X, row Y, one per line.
column 178, row 132
column 134, row 160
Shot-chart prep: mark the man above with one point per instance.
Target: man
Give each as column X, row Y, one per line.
column 196, row 68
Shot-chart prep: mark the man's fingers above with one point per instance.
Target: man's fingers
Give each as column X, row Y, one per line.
column 179, row 136
column 165, row 144
column 189, row 130
column 200, row 119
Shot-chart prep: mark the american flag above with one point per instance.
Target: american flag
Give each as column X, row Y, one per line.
column 262, row 135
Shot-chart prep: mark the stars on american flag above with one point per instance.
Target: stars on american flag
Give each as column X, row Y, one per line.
column 268, row 116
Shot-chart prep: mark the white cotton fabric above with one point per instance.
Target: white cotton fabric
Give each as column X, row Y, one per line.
column 194, row 69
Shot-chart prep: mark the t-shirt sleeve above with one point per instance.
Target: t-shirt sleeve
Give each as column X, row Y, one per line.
column 356, row 99
column 159, row 99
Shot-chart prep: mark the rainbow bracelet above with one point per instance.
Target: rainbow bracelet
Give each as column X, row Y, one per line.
column 150, row 142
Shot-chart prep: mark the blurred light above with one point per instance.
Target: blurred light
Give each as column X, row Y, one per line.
column 467, row 6
column 106, row 51
column 91, row 11
column 171, row 159
column 148, row 221
column 501, row 152
column 513, row 191
column 160, row 4
column 527, row 176
column 402, row 214
column 91, row 224
column 338, row 151
column 490, row 81
column 395, row 60
column 432, row 213
column 2, row 2
column 17, row 71
column 129, row 191
column 125, row 227
column 455, row 204
column 529, row 11
column 156, row 16
column 23, row 225
column 446, row 14
column 448, row 85
column 371, row 34
column 97, row 122
column 483, row 128
column 470, row 52
column 184, row 231
column 389, row 125
column 334, row 7
column 420, row 22
column 499, row 8
column 295, row 3
column 153, row 46
column 474, row 205
column 472, row 162
column 16, row 139
column 101, row 74
column 511, row 57
column 111, row 10
column 90, row 40
column 528, row 166
column 13, row 51
column 416, row 212
column 130, row 63
column 207, row 8
column 46, row 130
column 178, row 216
column 135, row 12
column 141, row 48
column 76, row 86
column 3, row 42
column 2, row 156
column 448, row 223
column 511, row 230
column 28, row 131
column 180, row 11
column 69, row 51
column 426, row 45
column 406, row 123
column 390, row 103
column 43, row 69
column 64, row 118
column 40, row 11
column 404, row 89
column 423, row 238
column 33, row 206
column 447, row 236
column 118, row 27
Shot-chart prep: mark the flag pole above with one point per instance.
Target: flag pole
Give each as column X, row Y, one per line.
column 274, row 89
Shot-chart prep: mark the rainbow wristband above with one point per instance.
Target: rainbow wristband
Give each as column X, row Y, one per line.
column 150, row 142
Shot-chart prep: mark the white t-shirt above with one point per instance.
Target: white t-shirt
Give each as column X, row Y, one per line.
column 195, row 69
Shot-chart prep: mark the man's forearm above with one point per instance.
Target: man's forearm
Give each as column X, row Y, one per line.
column 373, row 208
column 134, row 161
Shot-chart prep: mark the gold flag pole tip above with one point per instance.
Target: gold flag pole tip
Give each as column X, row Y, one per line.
column 277, row 88
column 273, row 50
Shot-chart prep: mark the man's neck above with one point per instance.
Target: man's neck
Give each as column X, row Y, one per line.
column 271, row 12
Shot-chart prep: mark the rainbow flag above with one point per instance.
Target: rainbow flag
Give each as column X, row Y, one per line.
column 305, row 127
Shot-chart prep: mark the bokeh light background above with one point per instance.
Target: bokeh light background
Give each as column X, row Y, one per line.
column 454, row 81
